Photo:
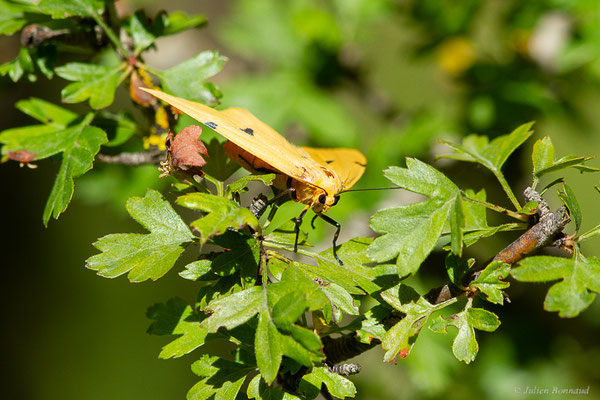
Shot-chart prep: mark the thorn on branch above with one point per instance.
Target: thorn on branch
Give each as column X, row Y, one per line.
column 139, row 158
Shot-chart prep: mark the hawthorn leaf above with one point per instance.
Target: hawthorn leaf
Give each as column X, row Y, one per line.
column 409, row 233
column 141, row 34
column 13, row 16
column 399, row 339
column 118, row 127
column 569, row 199
column 258, row 389
column 144, row 256
column 221, row 378
column 69, row 8
column 220, row 166
column 337, row 385
column 196, row 270
column 491, row 281
column 97, row 83
column 578, row 280
column 176, row 318
column 222, row 214
column 267, row 347
column 465, row 346
column 544, row 161
column 491, row 155
column 187, row 79
column 241, row 185
column 457, row 268
column 372, row 324
column 234, row 310
column 177, row 21
column 22, row 65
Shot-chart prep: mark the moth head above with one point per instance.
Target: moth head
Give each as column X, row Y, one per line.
column 325, row 201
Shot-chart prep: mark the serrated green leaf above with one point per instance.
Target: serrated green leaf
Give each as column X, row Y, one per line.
column 140, row 32
column 457, row 224
column 144, row 256
column 543, row 154
column 491, row 281
column 544, row 162
column 337, row 385
column 399, row 339
column 187, row 79
column 13, row 16
column 240, row 186
column 268, row 347
column 234, row 310
column 69, row 8
column 97, row 83
column 569, row 199
column 492, row 154
column 258, row 389
column 372, row 324
column 286, row 235
column 22, row 65
column 222, row 378
column 483, row 320
column 196, row 270
column 223, row 214
column 411, row 232
column 573, row 293
column 176, row 318
column 46, row 112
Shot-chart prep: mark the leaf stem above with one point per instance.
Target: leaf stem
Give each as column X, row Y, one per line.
column 497, row 208
column 507, row 189
column 111, row 35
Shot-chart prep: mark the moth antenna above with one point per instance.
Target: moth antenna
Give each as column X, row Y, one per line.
column 368, row 189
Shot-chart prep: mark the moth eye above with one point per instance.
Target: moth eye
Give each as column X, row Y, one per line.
column 322, row 198
column 336, row 198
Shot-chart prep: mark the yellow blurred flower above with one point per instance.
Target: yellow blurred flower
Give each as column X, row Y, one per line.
column 456, row 55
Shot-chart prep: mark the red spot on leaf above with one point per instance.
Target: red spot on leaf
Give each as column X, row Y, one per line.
column 403, row 353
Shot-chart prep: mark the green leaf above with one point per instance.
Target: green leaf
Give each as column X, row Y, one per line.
column 569, row 199
column 492, row 154
column 223, row 214
column 258, row 389
column 475, row 214
column 337, row 385
column 46, row 112
column 69, row 8
column 465, row 345
column 13, row 16
column 140, row 33
column 400, row 338
column 543, row 155
column 573, row 294
column 144, row 256
column 118, row 127
column 188, row 78
column 97, row 83
column 196, row 270
column 530, row 208
column 222, row 378
column 457, row 224
column 175, row 22
column 372, row 324
column 457, row 268
column 233, row 310
column 22, row 65
column 176, row 318
column 544, row 162
column 491, row 281
column 268, row 347
column 409, row 233
column 241, row 185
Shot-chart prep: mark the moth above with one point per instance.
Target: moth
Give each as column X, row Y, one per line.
column 314, row 177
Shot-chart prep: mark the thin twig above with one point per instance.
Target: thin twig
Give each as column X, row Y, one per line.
column 139, row 158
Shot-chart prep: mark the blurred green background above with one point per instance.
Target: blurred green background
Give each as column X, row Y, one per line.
column 387, row 77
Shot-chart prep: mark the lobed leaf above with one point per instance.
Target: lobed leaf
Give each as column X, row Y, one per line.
column 574, row 293
column 69, row 8
column 544, row 162
column 222, row 214
column 222, row 379
column 338, row 386
column 144, row 256
column 491, row 281
column 409, row 233
column 97, row 83
column 187, row 79
column 176, row 318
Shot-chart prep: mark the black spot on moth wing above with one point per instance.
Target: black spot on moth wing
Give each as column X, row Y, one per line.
column 211, row 125
column 329, row 161
column 249, row 131
column 361, row 164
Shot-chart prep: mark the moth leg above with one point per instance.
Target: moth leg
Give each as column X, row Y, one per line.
column 312, row 221
column 298, row 222
column 335, row 235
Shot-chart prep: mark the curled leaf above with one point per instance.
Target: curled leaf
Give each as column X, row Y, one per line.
column 186, row 152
